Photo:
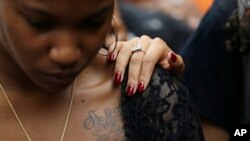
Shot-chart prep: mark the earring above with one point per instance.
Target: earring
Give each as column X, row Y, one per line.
column 112, row 38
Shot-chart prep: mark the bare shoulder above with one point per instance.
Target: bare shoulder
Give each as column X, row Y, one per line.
column 98, row 113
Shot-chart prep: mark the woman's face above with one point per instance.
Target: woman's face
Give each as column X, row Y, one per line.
column 53, row 40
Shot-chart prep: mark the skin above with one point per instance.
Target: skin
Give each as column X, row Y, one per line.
column 70, row 44
column 63, row 47
column 141, row 72
column 213, row 132
column 42, row 51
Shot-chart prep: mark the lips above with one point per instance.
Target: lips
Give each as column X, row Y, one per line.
column 59, row 79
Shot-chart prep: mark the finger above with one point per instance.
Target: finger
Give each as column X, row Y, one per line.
column 114, row 50
column 173, row 63
column 156, row 51
column 123, row 56
column 176, row 64
column 135, row 65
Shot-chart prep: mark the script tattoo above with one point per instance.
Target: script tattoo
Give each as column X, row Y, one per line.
column 107, row 126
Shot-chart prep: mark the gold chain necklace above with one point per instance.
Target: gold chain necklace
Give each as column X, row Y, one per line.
column 20, row 122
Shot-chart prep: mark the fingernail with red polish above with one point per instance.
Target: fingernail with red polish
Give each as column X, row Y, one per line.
column 111, row 57
column 130, row 90
column 140, row 87
column 117, row 78
column 173, row 57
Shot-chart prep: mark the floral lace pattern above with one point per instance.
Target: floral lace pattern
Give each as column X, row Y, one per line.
column 163, row 112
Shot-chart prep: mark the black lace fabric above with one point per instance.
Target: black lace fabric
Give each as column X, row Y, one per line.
column 164, row 112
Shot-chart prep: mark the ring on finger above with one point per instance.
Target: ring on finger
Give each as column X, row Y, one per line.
column 138, row 48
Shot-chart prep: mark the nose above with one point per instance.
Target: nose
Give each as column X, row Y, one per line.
column 65, row 50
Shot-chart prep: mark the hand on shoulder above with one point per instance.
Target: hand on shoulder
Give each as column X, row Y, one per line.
column 140, row 55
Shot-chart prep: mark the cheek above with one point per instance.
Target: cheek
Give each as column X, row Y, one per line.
column 25, row 46
column 95, row 40
column 19, row 33
column 22, row 44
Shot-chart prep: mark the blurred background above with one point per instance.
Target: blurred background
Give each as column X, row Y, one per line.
column 172, row 20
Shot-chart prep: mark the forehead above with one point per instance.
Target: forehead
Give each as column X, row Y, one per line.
column 69, row 2
column 76, row 7
column 65, row 1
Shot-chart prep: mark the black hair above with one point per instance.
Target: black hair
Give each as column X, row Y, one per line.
column 238, row 33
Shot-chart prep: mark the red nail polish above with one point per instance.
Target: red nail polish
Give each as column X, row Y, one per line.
column 117, row 78
column 140, row 87
column 130, row 90
column 173, row 57
column 111, row 57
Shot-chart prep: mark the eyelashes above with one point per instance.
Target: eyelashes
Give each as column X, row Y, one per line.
column 92, row 23
column 40, row 24
column 44, row 25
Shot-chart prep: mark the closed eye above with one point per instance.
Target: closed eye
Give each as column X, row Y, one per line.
column 92, row 23
column 40, row 25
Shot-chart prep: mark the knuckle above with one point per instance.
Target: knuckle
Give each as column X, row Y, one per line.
column 125, row 49
column 157, row 39
column 120, row 44
column 132, row 81
column 119, row 65
column 148, row 60
column 145, row 37
column 135, row 39
column 135, row 59
column 133, row 78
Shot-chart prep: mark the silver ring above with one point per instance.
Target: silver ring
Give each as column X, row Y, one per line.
column 138, row 48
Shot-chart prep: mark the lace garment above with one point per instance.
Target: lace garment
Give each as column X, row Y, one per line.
column 163, row 112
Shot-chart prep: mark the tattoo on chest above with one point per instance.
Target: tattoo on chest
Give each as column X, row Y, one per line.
column 105, row 126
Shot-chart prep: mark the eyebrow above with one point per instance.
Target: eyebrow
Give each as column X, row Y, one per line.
column 101, row 11
column 47, row 14
column 36, row 11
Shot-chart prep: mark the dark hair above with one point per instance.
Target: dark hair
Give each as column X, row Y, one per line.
column 238, row 33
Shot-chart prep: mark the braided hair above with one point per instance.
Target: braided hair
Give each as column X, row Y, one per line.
column 238, row 33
